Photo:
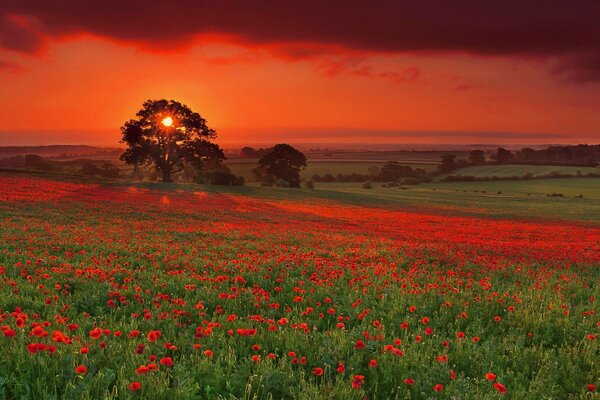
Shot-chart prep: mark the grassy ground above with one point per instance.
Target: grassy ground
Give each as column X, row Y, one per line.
column 519, row 170
column 521, row 199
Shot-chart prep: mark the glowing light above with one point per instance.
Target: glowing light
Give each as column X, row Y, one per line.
column 168, row 121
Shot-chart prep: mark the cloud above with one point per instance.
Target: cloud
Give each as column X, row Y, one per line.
column 11, row 67
column 17, row 34
column 304, row 29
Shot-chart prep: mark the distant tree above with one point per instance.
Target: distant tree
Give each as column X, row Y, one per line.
column 374, row 170
column 248, row 152
column 477, row 157
column 393, row 170
column 503, row 156
column 89, row 168
column 35, row 161
column 283, row 162
column 447, row 163
column 167, row 134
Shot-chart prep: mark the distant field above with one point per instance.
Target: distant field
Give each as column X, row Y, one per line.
column 502, row 171
column 523, row 199
column 324, row 167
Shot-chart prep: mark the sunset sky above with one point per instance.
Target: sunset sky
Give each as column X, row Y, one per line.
column 337, row 71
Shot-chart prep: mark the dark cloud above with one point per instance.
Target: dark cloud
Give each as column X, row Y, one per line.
column 299, row 29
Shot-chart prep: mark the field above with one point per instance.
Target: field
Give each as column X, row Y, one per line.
column 161, row 291
column 322, row 167
column 503, row 171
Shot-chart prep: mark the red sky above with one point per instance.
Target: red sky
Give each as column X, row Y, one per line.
column 268, row 71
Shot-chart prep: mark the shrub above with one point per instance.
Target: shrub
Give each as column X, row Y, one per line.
column 367, row 185
column 282, row 183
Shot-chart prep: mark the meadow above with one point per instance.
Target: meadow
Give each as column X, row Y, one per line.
column 156, row 291
column 321, row 167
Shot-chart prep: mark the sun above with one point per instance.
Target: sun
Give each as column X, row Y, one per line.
column 168, row 121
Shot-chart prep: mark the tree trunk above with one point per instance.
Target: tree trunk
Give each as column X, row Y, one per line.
column 166, row 174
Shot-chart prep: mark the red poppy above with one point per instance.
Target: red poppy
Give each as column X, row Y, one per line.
column 96, row 333
column 438, row 388
column 409, row 381
column 317, row 371
column 500, row 387
column 81, row 369
column 167, row 361
column 133, row 386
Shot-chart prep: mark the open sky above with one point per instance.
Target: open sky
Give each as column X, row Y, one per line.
column 341, row 71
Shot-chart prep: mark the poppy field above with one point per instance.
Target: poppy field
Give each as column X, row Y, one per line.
column 131, row 292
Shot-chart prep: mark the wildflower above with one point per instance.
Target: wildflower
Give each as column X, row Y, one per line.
column 500, row 387
column 135, row 386
column 81, row 370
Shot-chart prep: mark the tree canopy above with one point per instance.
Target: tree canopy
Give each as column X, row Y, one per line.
column 167, row 135
column 283, row 162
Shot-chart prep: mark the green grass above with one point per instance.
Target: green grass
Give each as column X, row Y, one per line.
column 502, row 171
column 518, row 199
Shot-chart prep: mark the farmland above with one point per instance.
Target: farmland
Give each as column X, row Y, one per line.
column 503, row 171
column 195, row 292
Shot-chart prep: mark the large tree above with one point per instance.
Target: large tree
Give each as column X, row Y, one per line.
column 167, row 134
column 283, row 162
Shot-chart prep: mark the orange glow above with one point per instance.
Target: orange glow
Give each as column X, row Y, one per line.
column 254, row 98
column 168, row 121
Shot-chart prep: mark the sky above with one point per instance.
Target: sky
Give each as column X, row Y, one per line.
column 312, row 71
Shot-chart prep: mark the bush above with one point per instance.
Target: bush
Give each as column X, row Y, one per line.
column 367, row 185
column 224, row 178
column 282, row 183
column 410, row 181
column 34, row 161
column 309, row 184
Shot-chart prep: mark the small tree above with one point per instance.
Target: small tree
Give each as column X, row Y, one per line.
column 477, row 157
column 282, row 162
column 167, row 134
column 447, row 163
column 503, row 156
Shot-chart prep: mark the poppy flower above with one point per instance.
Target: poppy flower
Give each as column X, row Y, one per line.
column 317, row 371
column 409, row 381
column 500, row 387
column 81, row 369
column 133, row 386
column 438, row 388
column 490, row 376
column 96, row 333
column 167, row 361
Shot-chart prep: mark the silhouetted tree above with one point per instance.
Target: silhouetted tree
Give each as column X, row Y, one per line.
column 283, row 162
column 503, row 156
column 34, row 161
column 447, row 163
column 477, row 157
column 167, row 135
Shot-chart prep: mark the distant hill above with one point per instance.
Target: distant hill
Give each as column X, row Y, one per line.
column 61, row 150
